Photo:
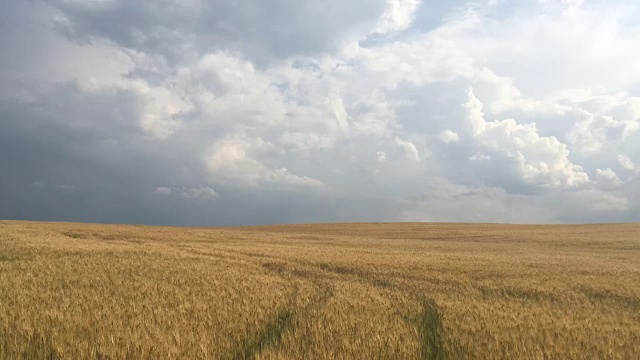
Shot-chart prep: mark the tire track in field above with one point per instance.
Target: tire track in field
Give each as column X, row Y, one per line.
column 427, row 321
column 429, row 325
column 271, row 333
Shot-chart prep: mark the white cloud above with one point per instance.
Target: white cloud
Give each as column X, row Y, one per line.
column 539, row 160
column 449, row 136
column 163, row 109
column 627, row 163
column 607, row 179
column 479, row 156
column 398, row 16
column 410, row 150
column 307, row 141
column 594, row 38
column 234, row 159
column 592, row 133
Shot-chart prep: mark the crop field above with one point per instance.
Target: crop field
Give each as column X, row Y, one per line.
column 334, row 291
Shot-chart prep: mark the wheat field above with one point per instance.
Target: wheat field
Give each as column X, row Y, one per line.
column 335, row 291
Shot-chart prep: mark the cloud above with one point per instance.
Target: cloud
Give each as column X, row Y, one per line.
column 279, row 29
column 200, row 193
column 410, row 150
column 627, row 163
column 398, row 16
column 538, row 160
column 187, row 192
column 592, row 133
column 319, row 111
column 163, row 110
column 163, row 190
column 449, row 136
column 607, row 178
column 479, row 156
column 573, row 46
column 236, row 159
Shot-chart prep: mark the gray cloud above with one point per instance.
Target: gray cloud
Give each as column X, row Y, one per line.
column 227, row 113
column 259, row 30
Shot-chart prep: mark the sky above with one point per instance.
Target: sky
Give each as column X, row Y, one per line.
column 243, row 112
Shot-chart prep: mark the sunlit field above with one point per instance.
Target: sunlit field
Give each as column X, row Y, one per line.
column 335, row 291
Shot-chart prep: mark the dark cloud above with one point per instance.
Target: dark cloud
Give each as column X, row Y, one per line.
column 246, row 112
column 69, row 154
column 261, row 30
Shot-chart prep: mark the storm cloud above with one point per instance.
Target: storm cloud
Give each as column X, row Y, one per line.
column 210, row 112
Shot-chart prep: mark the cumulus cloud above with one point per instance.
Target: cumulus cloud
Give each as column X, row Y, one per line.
column 319, row 111
column 538, row 160
column 480, row 156
column 398, row 16
column 592, row 133
column 163, row 110
column 235, row 159
column 410, row 150
column 607, row 178
column 449, row 136
column 627, row 163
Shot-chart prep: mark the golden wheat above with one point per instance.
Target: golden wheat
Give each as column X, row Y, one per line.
column 339, row 291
